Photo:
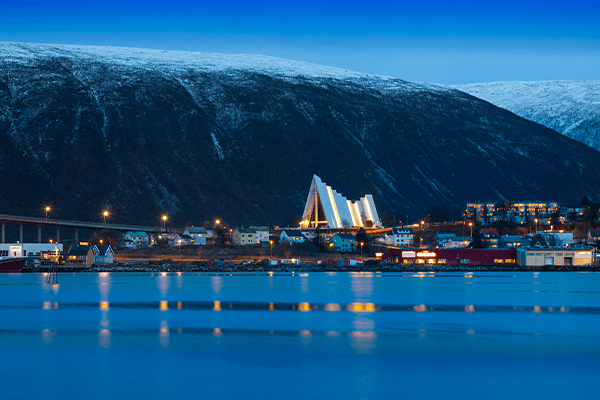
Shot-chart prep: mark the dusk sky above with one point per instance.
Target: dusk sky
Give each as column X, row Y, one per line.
column 427, row 41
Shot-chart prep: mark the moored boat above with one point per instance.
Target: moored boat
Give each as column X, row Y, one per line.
column 12, row 264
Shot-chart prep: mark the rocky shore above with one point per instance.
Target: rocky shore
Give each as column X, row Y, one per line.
column 368, row 266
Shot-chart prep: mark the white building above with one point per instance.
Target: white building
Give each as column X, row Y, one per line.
column 28, row 249
column 557, row 238
column 442, row 236
column 400, row 237
column 197, row 233
column 138, row 238
column 262, row 234
column 326, row 207
column 458, row 242
column 292, row 237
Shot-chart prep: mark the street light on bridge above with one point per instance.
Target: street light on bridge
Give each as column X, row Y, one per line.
column 164, row 220
column 47, row 211
column 105, row 215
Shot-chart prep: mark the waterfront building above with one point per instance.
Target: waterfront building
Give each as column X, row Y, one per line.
column 28, row 249
column 80, row 255
column 557, row 238
column 457, row 242
column 326, row 207
column 489, row 237
column 138, row 239
column 450, row 256
column 546, row 256
column 103, row 254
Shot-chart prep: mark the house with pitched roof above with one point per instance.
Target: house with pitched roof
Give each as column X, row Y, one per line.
column 292, row 237
column 197, row 234
column 343, row 243
column 103, row 255
column 138, row 239
column 80, row 255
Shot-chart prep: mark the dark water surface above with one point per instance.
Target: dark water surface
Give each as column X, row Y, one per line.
column 300, row 336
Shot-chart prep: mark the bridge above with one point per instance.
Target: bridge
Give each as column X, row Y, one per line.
column 58, row 223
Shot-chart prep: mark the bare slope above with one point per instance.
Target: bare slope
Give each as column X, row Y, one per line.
column 569, row 107
column 239, row 137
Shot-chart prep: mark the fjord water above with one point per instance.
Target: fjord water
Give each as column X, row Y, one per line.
column 300, row 336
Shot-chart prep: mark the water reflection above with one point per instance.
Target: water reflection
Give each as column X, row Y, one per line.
column 104, row 338
column 363, row 339
column 163, row 305
column 217, row 332
column 179, row 306
column 304, row 283
column 104, row 305
column 361, row 285
column 216, row 283
column 470, row 308
column 361, row 307
column 104, row 283
column 217, row 305
column 163, row 334
column 332, row 307
column 420, row 308
column 163, row 282
column 48, row 335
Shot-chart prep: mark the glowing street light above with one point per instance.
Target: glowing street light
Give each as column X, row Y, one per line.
column 47, row 211
column 164, row 221
column 105, row 215
column 471, row 225
column 361, row 246
column 271, row 243
column 536, row 221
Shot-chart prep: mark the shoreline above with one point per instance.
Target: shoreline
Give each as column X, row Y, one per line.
column 369, row 266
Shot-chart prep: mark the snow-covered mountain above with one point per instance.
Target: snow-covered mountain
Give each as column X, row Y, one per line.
column 569, row 107
column 240, row 136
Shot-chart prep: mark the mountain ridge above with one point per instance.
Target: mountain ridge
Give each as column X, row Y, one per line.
column 83, row 132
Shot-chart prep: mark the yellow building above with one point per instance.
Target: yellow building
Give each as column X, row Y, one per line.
column 244, row 237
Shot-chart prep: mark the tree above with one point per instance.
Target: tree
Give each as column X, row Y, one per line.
column 369, row 223
column 346, row 224
column 361, row 237
column 477, row 243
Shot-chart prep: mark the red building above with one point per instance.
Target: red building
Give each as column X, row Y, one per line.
column 451, row 256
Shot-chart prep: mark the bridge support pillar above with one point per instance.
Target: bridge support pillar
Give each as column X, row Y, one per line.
column 57, row 234
column 20, row 233
column 76, row 236
column 3, row 233
column 39, row 234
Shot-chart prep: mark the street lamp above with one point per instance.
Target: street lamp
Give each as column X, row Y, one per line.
column 271, row 243
column 361, row 245
column 536, row 221
column 105, row 215
column 164, row 221
column 421, row 233
column 471, row 225
column 47, row 211
column 179, row 242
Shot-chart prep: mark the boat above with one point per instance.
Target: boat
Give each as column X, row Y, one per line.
column 12, row 264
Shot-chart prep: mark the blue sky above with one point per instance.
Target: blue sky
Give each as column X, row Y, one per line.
column 432, row 41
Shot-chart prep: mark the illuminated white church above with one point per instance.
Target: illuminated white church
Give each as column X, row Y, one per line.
column 327, row 208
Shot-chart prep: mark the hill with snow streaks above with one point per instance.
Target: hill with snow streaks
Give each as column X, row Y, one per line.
column 239, row 137
column 569, row 107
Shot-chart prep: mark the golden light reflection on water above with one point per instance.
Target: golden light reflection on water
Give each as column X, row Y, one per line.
column 104, row 305
column 537, row 309
column 163, row 334
column 55, row 288
column 271, row 306
column 361, row 307
column 179, row 306
column 163, row 305
column 420, row 308
column 47, row 305
column 470, row 308
column 163, row 282
column 361, row 285
column 217, row 332
column 304, row 306
column 217, row 305
column 305, row 334
column 470, row 332
column 332, row 334
column 332, row 307
column 104, row 338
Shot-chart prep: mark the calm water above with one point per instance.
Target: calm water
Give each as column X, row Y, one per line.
column 300, row 336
